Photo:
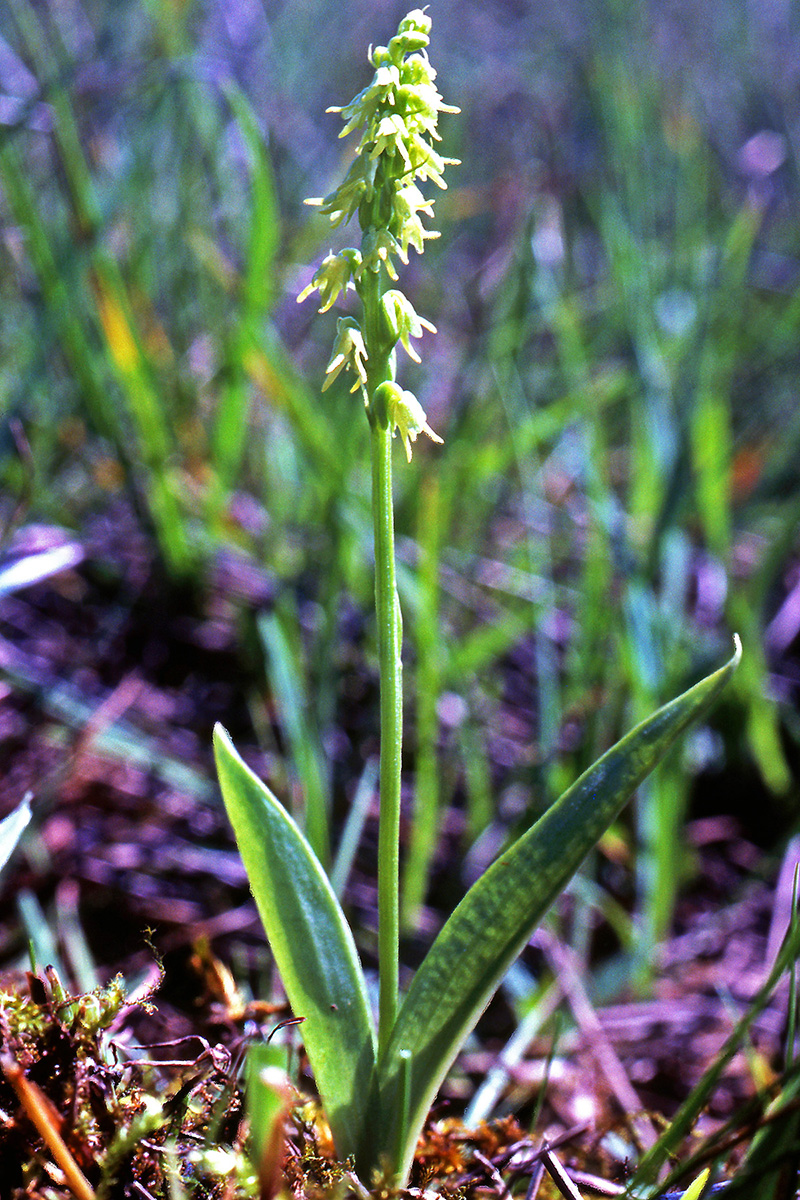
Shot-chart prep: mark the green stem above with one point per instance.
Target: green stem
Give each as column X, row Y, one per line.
column 390, row 639
column 391, row 704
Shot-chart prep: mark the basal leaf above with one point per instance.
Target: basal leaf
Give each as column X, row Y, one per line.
column 311, row 942
column 496, row 918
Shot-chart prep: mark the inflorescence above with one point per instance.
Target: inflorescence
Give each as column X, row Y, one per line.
column 397, row 114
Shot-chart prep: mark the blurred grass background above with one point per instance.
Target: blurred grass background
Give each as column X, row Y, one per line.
column 617, row 294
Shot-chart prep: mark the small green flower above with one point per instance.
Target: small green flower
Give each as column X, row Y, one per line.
column 385, row 81
column 357, row 186
column 426, row 162
column 332, row 276
column 390, row 137
column 377, row 246
column 404, row 413
column 403, row 320
column 409, row 202
column 349, row 354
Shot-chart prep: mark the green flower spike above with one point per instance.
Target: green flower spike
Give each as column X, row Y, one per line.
column 404, row 413
column 349, row 354
column 397, row 114
column 403, row 321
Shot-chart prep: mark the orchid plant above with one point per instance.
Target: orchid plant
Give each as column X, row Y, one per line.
column 377, row 1082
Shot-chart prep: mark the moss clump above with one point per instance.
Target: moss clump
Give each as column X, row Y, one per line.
column 80, row 1118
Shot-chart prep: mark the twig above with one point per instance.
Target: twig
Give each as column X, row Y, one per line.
column 515, row 1048
column 562, row 961
column 603, row 1187
column 46, row 1119
column 531, row 1159
column 493, row 1173
column 109, row 711
column 559, row 1176
column 536, row 1181
column 136, row 1186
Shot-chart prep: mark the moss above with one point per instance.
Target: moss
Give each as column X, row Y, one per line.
column 70, row 1101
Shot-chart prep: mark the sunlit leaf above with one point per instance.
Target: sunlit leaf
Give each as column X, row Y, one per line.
column 311, row 941
column 496, row 918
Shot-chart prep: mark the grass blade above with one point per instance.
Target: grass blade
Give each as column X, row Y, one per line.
column 264, row 232
column 498, row 915
column 669, row 1143
column 229, row 437
column 774, row 1153
column 60, row 303
column 280, row 637
column 311, row 941
column 427, row 784
column 12, row 828
column 125, row 346
column 269, row 1095
column 695, row 1190
column 40, row 935
column 353, row 828
column 769, row 1171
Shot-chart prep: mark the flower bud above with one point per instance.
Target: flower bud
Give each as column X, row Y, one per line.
column 404, row 43
column 417, row 20
column 379, row 56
